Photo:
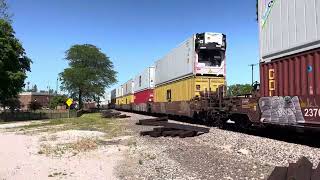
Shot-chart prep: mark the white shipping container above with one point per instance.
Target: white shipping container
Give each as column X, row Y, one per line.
column 288, row 27
column 119, row 91
column 128, row 87
column 202, row 53
column 144, row 80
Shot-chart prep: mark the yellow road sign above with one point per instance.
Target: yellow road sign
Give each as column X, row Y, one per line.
column 69, row 101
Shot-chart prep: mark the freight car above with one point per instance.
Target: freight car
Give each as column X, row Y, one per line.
column 143, row 90
column 190, row 80
column 196, row 65
column 289, row 69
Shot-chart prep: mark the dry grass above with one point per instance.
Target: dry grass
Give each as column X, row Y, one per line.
column 81, row 145
column 85, row 144
column 89, row 122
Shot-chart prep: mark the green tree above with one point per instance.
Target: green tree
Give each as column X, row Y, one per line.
column 57, row 101
column 51, row 91
column 4, row 13
column 239, row 89
column 90, row 72
column 13, row 104
column 13, row 64
column 35, row 105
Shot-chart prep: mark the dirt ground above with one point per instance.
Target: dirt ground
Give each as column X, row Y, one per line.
column 33, row 152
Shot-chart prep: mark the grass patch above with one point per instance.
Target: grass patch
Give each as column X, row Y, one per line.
column 87, row 122
column 81, row 145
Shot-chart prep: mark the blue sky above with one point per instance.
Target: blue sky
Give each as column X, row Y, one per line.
column 133, row 33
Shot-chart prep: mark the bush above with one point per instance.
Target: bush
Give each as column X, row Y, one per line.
column 13, row 104
column 35, row 105
column 239, row 89
column 57, row 101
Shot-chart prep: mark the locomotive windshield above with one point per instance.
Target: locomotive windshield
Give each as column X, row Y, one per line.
column 210, row 57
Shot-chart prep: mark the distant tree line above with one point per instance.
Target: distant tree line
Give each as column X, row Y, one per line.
column 239, row 89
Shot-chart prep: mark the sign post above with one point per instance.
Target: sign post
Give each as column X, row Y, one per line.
column 69, row 102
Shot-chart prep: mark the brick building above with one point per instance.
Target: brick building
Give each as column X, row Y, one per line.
column 42, row 97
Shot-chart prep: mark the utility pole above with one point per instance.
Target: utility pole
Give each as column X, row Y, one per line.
column 57, row 86
column 252, row 65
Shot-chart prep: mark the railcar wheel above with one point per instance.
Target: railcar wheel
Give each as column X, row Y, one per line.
column 242, row 122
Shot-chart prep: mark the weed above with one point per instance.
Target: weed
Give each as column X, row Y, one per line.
column 81, row 145
column 43, row 138
column 85, row 144
column 132, row 142
column 53, row 137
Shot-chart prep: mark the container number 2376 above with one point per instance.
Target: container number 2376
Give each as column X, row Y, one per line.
column 312, row 112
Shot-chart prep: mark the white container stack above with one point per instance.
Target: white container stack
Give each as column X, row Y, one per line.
column 177, row 63
column 119, row 92
column 288, row 27
column 144, row 80
column 128, row 87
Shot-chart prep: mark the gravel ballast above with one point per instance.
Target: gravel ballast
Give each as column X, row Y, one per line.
column 219, row 154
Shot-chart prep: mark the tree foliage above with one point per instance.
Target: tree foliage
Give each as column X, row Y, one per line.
column 35, row 105
column 57, row 101
column 13, row 63
column 13, row 103
column 239, row 89
column 4, row 13
column 90, row 72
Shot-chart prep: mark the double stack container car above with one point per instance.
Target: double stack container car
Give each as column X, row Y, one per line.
column 290, row 61
column 190, row 80
column 119, row 94
column 127, row 97
column 143, row 90
column 196, row 65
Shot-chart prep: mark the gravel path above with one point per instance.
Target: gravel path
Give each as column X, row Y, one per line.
column 219, row 154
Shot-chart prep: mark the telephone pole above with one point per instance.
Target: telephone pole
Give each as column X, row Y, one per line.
column 252, row 65
column 57, row 86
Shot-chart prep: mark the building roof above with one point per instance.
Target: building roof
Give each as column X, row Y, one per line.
column 35, row 94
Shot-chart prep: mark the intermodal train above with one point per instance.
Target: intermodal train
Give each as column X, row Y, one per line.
column 191, row 79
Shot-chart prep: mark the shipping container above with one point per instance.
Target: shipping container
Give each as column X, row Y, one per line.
column 202, row 54
column 143, row 96
column 119, row 101
column 186, row 89
column 119, row 91
column 128, row 99
column 294, row 77
column 128, row 87
column 145, row 80
column 288, row 27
